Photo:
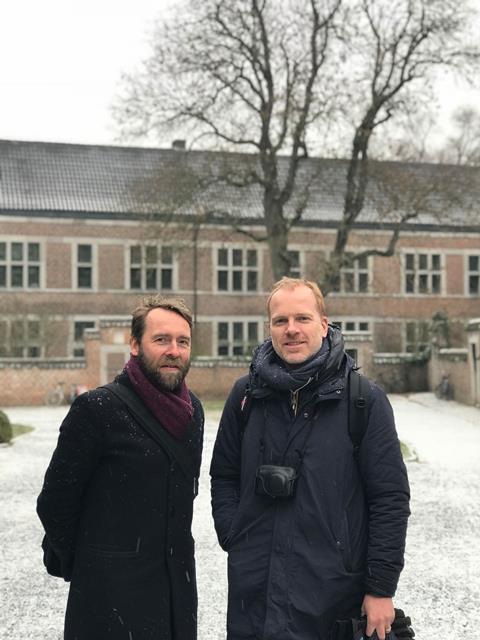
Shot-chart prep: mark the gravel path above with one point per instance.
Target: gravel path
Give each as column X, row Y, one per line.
column 440, row 587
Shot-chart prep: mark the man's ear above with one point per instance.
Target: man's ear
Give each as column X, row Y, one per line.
column 324, row 326
column 134, row 346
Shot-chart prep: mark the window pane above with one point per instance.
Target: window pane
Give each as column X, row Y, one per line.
column 33, row 276
column 3, row 250
column 84, row 277
column 363, row 326
column 17, row 276
column 135, row 279
column 3, row 276
column 473, row 263
column 17, row 352
column 252, row 332
column 223, row 257
column 151, row 278
column 436, row 283
column 17, row 330
column 237, row 280
column 222, row 280
column 151, row 255
column 17, row 251
column 362, row 262
column 251, row 280
column 223, row 331
column 410, row 283
column 423, row 261
column 84, row 253
column 167, row 279
column 423, row 283
column 167, row 255
column 348, row 282
column 33, row 330
column 33, row 352
column 237, row 331
column 473, row 284
column 237, row 350
column 363, row 282
column 79, row 329
column 410, row 261
column 252, row 258
column 436, row 262
column 135, row 255
column 350, row 326
column 3, row 331
column 222, row 350
column 33, row 251
column 410, row 332
column 237, row 258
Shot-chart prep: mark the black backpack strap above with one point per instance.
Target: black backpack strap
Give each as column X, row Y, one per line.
column 174, row 449
column 358, row 396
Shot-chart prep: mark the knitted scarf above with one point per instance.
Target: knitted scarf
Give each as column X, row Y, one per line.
column 172, row 409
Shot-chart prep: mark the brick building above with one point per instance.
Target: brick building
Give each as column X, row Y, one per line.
column 85, row 231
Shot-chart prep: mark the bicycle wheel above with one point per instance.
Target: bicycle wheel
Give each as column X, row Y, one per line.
column 54, row 398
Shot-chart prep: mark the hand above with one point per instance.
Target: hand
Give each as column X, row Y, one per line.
column 380, row 615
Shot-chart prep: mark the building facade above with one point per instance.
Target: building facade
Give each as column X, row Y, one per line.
column 85, row 233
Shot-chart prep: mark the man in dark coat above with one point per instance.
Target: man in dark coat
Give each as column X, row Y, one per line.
column 117, row 503
column 306, row 554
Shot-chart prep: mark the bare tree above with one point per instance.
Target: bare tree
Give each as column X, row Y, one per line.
column 396, row 47
column 463, row 146
column 273, row 78
column 249, row 75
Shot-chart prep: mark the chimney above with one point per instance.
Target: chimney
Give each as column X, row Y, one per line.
column 180, row 145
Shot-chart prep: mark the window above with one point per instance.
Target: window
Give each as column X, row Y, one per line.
column 473, row 275
column 295, row 271
column 423, row 273
column 20, row 265
column 417, row 336
column 78, row 331
column 352, row 326
column 237, row 270
column 21, row 338
column 237, row 338
column 151, row 267
column 355, row 277
column 84, row 266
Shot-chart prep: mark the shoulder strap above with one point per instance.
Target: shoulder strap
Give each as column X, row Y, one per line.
column 358, row 395
column 172, row 448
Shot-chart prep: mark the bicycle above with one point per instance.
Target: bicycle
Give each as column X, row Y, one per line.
column 56, row 397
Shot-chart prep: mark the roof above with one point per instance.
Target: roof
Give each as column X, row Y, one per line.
column 74, row 180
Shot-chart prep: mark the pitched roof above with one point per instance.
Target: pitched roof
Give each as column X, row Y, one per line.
column 73, row 180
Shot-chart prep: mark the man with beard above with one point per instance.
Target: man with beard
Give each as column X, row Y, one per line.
column 118, row 494
column 315, row 535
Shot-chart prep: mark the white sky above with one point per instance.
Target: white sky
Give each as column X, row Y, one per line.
column 61, row 62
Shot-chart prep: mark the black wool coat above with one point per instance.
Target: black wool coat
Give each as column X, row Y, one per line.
column 117, row 511
column 297, row 564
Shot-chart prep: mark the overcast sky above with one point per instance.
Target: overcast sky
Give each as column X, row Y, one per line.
column 61, row 60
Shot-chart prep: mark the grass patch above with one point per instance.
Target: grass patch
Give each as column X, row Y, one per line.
column 20, row 429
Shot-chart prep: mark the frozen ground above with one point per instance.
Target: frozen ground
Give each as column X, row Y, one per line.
column 440, row 587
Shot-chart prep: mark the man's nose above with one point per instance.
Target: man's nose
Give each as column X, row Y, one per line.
column 172, row 350
column 292, row 326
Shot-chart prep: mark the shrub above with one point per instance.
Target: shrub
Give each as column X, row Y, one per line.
column 5, row 428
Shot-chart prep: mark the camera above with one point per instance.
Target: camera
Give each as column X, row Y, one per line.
column 275, row 481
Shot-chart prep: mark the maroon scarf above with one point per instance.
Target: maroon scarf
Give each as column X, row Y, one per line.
column 172, row 409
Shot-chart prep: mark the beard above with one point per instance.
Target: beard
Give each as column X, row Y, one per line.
column 161, row 379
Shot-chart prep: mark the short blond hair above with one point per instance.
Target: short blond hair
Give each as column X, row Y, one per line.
column 293, row 283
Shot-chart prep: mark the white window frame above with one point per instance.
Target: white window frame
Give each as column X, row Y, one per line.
column 356, row 271
column 232, row 343
column 143, row 266
column 230, row 269
column 419, row 326
column 422, row 272
column 358, row 325
column 26, row 342
column 300, row 270
column 79, row 264
column 8, row 263
column 80, row 344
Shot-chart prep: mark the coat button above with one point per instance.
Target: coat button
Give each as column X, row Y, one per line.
column 305, row 415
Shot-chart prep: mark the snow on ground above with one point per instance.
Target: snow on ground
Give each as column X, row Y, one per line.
column 439, row 588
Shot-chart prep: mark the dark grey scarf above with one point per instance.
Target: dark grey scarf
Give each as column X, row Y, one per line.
column 268, row 370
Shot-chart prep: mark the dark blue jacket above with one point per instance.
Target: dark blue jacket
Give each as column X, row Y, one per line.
column 295, row 565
